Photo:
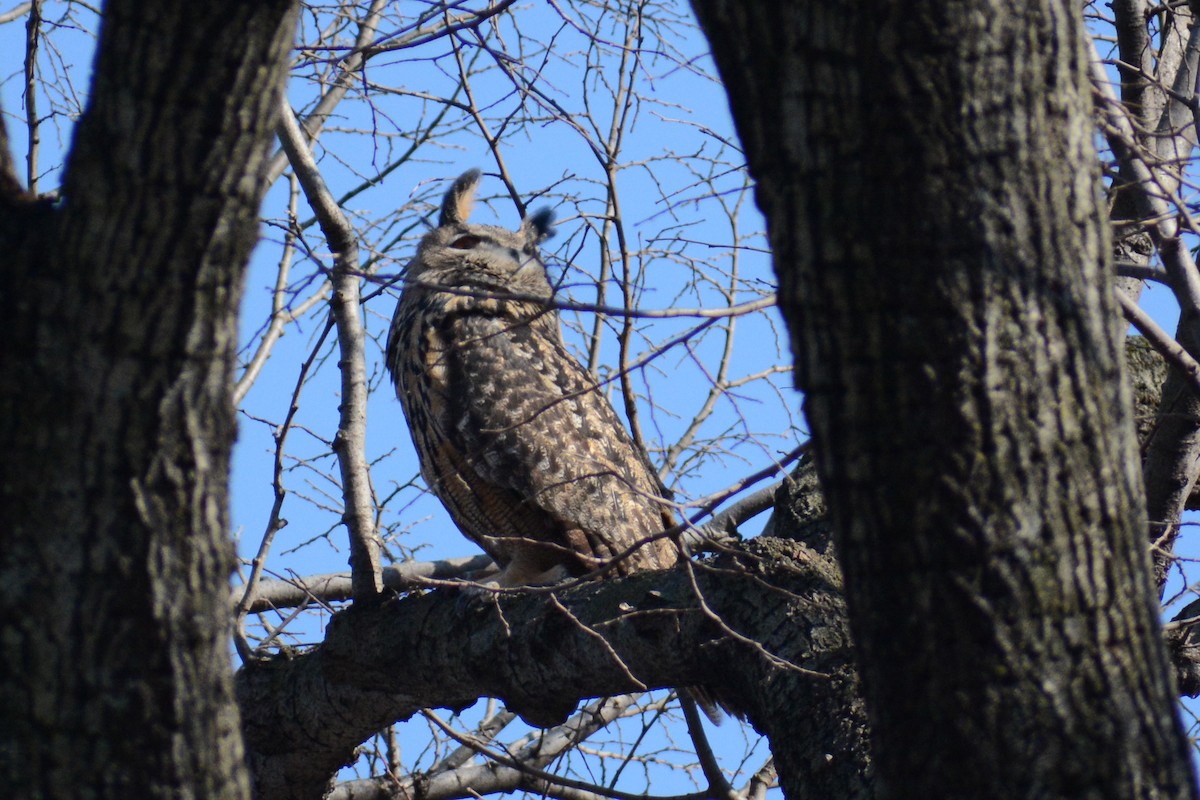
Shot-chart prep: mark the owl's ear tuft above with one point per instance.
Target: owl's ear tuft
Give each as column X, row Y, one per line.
column 460, row 199
column 538, row 226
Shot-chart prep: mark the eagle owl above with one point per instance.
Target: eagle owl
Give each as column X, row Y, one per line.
column 514, row 436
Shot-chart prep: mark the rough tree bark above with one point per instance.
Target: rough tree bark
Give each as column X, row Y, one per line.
column 119, row 303
column 928, row 177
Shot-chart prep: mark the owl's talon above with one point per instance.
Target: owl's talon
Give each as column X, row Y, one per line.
column 468, row 594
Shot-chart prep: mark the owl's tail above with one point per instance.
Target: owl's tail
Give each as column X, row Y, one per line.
column 708, row 702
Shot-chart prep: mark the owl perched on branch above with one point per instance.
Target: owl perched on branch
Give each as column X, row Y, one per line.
column 514, row 436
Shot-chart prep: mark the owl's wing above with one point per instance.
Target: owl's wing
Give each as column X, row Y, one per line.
column 529, row 419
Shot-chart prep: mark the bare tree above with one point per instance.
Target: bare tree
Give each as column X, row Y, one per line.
column 935, row 234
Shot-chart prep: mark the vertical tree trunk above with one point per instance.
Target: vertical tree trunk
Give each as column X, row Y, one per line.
column 119, row 306
column 928, row 177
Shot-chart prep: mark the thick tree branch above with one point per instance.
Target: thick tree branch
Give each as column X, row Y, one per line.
column 1136, row 50
column 385, row 662
column 1143, row 69
column 382, row 662
column 1175, row 137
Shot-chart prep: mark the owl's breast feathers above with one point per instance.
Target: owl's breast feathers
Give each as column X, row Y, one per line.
column 516, row 438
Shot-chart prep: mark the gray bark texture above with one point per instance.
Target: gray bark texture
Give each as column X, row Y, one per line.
column 928, row 177
column 119, row 304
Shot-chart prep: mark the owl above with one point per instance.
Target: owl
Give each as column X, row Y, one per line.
column 513, row 435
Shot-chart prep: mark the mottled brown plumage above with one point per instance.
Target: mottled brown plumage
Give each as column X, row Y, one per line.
column 513, row 434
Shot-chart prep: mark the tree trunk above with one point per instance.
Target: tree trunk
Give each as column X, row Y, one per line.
column 119, row 305
column 928, row 177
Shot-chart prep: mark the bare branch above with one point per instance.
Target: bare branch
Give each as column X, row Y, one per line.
column 734, row 310
column 334, row 587
column 350, row 442
column 16, row 13
column 33, row 27
column 762, row 780
column 337, row 586
column 1161, row 340
column 718, row 786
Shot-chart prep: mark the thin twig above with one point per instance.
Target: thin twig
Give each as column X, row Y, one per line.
column 734, row 310
column 280, row 315
column 248, row 594
column 537, row 751
column 350, row 65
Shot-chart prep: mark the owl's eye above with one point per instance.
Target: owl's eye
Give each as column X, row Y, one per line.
column 465, row 242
